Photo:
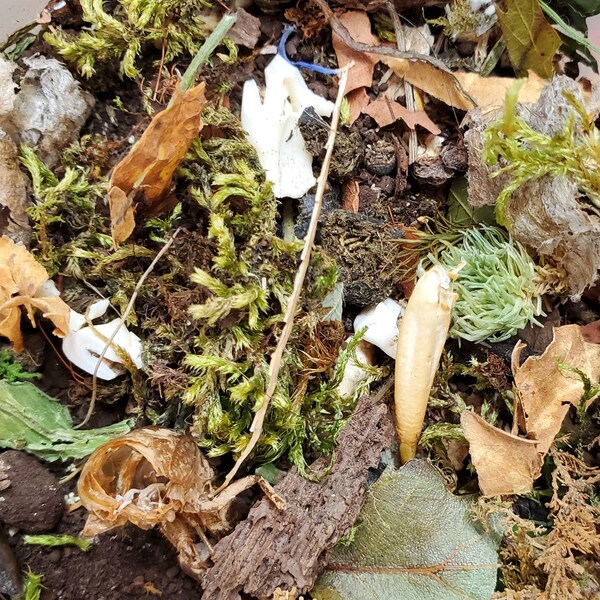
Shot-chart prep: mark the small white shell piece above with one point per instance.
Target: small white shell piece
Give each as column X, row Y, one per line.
column 83, row 345
column 271, row 125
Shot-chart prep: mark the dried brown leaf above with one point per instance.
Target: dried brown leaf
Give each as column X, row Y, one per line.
column 146, row 477
column 489, row 92
column 142, row 180
column 21, row 278
column 548, row 384
column 359, row 26
column 358, row 100
column 351, row 195
column 505, row 463
column 386, row 112
column 433, row 81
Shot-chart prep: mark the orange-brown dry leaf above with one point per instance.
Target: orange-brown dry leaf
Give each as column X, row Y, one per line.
column 351, row 195
column 433, row 81
column 147, row 477
column 359, row 26
column 21, row 277
column 547, row 384
column 143, row 178
column 358, row 100
column 385, row 112
column 490, row 92
column 505, row 463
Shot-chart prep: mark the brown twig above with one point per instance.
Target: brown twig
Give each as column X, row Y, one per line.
column 341, row 31
column 122, row 320
column 288, row 319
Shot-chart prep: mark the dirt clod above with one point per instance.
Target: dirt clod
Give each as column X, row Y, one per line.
column 33, row 502
column 365, row 254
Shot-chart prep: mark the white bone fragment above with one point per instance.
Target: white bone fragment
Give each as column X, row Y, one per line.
column 381, row 322
column 83, row 345
column 272, row 128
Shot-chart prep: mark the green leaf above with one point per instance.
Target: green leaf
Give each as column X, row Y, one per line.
column 531, row 40
column 33, row 421
column 417, row 541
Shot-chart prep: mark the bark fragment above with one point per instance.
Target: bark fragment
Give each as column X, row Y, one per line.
column 285, row 549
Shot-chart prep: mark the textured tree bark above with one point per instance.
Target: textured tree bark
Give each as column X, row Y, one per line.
column 286, row 549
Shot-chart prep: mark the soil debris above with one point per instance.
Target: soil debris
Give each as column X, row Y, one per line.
column 33, row 500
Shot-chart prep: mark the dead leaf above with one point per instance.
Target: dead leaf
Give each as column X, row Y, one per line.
column 21, row 284
column 531, row 41
column 359, row 26
column 351, row 195
column 489, row 92
column 548, row 384
column 386, row 111
column 143, row 178
column 358, row 100
column 505, row 463
column 431, row 80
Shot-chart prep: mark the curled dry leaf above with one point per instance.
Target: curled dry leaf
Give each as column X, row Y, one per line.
column 442, row 85
column 489, row 92
column 154, row 476
column 142, row 180
column 23, row 282
column 546, row 386
column 505, row 463
column 359, row 26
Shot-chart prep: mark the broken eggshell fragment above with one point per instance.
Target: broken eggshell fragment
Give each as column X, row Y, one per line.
column 271, row 125
column 84, row 344
column 381, row 321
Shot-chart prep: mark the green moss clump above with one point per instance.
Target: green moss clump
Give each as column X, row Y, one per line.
column 525, row 154
column 131, row 25
column 249, row 284
column 63, row 214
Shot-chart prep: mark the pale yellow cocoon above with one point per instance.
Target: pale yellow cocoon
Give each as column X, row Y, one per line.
column 422, row 334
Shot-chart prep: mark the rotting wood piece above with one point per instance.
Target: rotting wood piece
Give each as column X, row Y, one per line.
column 285, row 549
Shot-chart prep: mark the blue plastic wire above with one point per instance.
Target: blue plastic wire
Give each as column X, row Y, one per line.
column 288, row 30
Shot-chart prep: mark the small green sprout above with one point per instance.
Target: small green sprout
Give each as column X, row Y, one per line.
column 499, row 288
column 83, row 544
column 32, row 588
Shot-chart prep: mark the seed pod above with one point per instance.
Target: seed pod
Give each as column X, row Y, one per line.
column 422, row 334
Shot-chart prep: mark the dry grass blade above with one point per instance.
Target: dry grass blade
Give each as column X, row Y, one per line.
column 288, row 320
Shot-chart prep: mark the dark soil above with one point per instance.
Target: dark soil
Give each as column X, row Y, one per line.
column 128, row 564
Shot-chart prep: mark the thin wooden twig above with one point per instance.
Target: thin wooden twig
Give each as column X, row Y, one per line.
column 340, row 30
column 122, row 320
column 288, row 319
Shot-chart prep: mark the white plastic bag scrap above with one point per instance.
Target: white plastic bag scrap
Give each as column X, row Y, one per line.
column 84, row 345
column 272, row 127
